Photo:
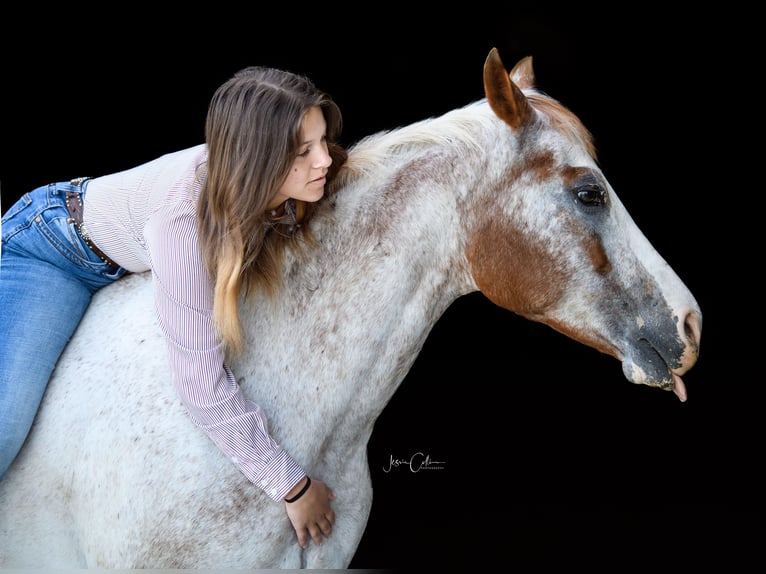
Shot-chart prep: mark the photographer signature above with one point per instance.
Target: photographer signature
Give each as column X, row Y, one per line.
column 415, row 463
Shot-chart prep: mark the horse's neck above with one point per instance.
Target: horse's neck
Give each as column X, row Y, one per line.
column 354, row 313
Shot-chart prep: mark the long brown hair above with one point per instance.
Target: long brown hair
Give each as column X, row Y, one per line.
column 253, row 132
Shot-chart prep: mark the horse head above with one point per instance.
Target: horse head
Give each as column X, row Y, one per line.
column 570, row 256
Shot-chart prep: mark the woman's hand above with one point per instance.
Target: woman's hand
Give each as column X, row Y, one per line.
column 311, row 514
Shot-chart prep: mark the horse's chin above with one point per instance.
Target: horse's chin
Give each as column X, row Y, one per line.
column 667, row 381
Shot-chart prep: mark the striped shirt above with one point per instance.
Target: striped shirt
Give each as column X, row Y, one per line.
column 144, row 219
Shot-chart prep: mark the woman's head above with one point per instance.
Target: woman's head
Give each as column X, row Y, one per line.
column 271, row 136
column 255, row 131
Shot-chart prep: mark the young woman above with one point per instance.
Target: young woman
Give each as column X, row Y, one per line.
column 211, row 223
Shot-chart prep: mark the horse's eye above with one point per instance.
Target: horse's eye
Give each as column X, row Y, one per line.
column 592, row 195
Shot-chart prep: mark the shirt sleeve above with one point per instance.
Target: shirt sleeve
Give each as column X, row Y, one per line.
column 183, row 299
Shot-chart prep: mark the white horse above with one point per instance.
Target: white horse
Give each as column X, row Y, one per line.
column 503, row 196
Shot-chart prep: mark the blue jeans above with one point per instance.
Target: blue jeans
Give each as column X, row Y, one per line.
column 48, row 275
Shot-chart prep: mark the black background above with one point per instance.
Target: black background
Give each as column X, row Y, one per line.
column 549, row 453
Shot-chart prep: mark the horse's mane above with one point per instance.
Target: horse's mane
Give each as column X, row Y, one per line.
column 377, row 151
column 456, row 127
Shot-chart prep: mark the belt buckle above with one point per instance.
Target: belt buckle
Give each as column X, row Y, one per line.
column 78, row 181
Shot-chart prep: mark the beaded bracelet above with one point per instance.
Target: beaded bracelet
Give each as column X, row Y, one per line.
column 302, row 491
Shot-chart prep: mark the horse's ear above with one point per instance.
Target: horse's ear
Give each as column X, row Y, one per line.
column 506, row 98
column 522, row 74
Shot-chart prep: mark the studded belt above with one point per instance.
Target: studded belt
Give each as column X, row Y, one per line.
column 75, row 210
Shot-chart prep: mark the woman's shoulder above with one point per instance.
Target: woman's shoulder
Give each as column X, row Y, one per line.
column 185, row 159
column 169, row 165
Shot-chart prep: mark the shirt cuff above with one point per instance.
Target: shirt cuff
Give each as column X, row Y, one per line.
column 278, row 477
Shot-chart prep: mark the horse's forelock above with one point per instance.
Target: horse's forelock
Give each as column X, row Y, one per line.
column 563, row 120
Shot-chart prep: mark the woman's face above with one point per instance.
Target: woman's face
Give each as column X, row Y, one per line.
column 306, row 180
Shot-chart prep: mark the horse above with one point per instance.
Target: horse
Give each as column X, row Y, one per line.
column 503, row 196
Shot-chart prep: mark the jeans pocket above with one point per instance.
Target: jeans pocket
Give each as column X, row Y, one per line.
column 54, row 225
column 15, row 219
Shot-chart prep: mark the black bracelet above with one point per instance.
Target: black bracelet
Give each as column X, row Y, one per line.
column 302, row 491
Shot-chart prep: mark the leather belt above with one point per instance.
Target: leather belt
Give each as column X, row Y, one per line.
column 75, row 210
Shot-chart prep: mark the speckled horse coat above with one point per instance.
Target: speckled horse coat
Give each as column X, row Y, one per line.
column 502, row 196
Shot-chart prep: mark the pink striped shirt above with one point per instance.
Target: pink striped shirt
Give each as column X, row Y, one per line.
column 144, row 219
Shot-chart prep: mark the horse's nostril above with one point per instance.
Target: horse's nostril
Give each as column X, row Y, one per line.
column 693, row 329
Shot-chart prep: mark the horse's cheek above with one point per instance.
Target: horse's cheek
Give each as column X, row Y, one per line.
column 520, row 279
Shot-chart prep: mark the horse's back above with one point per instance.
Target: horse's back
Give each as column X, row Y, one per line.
column 114, row 474
column 84, row 465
